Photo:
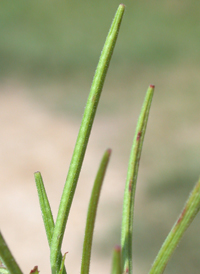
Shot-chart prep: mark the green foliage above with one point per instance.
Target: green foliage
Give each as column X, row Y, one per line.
column 122, row 256
column 44, row 37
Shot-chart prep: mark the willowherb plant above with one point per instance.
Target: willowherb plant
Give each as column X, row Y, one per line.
column 122, row 254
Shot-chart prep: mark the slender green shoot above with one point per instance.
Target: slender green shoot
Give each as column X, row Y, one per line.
column 91, row 215
column 129, row 195
column 116, row 261
column 46, row 211
column 7, row 257
column 82, row 139
column 45, row 207
column 188, row 214
column 62, row 266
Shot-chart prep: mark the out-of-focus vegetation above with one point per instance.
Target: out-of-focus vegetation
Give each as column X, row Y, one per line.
column 57, row 44
column 48, row 38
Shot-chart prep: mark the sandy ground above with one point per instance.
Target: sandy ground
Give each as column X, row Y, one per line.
column 34, row 139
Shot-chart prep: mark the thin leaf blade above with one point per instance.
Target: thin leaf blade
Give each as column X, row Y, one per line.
column 46, row 211
column 7, row 257
column 82, row 139
column 116, row 261
column 187, row 215
column 45, row 207
column 129, row 194
column 91, row 215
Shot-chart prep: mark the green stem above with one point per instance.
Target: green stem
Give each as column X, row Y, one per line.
column 129, row 195
column 116, row 261
column 91, row 215
column 7, row 258
column 188, row 214
column 82, row 139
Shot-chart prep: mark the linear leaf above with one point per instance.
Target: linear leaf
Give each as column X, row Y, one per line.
column 7, row 257
column 82, row 139
column 188, row 214
column 46, row 211
column 129, row 195
column 91, row 215
column 116, row 261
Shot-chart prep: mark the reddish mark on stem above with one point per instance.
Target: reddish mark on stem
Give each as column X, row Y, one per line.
column 130, row 185
column 139, row 135
column 181, row 217
column 152, row 86
column 127, row 271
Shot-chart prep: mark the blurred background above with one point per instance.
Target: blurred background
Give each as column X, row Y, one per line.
column 49, row 51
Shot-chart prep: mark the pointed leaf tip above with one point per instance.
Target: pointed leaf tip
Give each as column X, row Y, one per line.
column 152, row 86
column 118, row 248
column 36, row 172
column 35, row 270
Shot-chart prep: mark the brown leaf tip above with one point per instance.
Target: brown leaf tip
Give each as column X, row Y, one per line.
column 117, row 248
column 152, row 86
column 34, row 270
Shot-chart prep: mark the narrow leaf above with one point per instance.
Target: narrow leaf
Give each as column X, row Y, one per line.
column 188, row 214
column 45, row 207
column 116, row 261
column 91, row 215
column 62, row 264
column 82, row 139
column 7, row 257
column 46, row 211
column 129, row 195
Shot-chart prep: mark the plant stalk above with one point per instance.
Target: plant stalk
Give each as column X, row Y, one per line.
column 91, row 215
column 129, row 194
column 188, row 214
column 7, row 257
column 82, row 140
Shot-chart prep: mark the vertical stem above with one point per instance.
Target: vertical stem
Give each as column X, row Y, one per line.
column 82, row 140
column 187, row 215
column 116, row 261
column 91, row 215
column 129, row 194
